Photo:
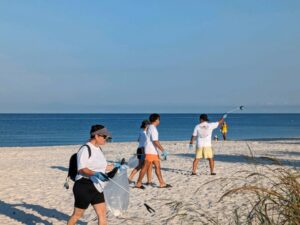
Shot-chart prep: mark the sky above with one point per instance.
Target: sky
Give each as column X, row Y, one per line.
column 149, row 56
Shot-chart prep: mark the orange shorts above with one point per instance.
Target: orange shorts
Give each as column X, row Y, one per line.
column 151, row 157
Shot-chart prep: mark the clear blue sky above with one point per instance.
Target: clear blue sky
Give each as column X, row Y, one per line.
column 149, row 56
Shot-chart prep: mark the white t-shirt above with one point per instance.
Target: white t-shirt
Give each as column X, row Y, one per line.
column 203, row 132
column 142, row 138
column 152, row 135
column 96, row 162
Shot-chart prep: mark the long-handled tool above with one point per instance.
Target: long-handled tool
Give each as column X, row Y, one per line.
column 236, row 109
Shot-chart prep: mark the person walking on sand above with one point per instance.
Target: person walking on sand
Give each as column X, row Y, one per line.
column 141, row 153
column 224, row 129
column 151, row 149
column 88, row 187
column 203, row 133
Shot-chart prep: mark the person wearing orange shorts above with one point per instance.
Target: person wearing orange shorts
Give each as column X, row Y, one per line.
column 203, row 133
column 151, row 150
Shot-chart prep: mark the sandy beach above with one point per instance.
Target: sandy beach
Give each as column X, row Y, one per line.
column 32, row 178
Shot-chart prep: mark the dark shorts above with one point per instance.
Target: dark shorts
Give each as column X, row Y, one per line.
column 141, row 153
column 85, row 194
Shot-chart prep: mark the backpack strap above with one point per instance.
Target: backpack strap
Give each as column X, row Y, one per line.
column 89, row 149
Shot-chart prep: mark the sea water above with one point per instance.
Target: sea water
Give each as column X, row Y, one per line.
column 68, row 129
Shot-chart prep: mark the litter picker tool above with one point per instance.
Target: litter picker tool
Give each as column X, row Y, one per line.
column 236, row 109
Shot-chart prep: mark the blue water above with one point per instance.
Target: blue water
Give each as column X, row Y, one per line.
column 66, row 129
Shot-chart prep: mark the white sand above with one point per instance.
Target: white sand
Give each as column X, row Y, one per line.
column 32, row 178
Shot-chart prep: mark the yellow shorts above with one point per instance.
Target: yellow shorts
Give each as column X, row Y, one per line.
column 151, row 157
column 204, row 152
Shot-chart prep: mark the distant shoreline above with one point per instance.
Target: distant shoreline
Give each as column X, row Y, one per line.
column 166, row 141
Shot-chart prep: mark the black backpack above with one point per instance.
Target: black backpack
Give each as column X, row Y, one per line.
column 72, row 172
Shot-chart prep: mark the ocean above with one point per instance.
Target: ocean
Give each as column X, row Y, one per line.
column 68, row 129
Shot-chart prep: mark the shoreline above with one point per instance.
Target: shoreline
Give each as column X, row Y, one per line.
column 167, row 141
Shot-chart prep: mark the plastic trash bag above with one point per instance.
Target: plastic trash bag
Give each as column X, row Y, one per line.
column 116, row 193
column 133, row 161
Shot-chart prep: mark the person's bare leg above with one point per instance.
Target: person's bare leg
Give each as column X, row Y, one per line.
column 149, row 174
column 77, row 214
column 101, row 213
column 136, row 169
column 224, row 136
column 211, row 165
column 195, row 165
column 158, row 173
column 142, row 173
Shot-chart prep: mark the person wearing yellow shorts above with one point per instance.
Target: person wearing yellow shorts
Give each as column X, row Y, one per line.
column 203, row 133
column 204, row 152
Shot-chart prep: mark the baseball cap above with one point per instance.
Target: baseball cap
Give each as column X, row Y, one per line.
column 204, row 117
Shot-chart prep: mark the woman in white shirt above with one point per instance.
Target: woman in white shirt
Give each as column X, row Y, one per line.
column 89, row 184
column 141, row 152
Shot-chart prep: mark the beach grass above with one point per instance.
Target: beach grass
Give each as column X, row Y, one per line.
column 273, row 195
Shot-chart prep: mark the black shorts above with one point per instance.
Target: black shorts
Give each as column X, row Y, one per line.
column 140, row 153
column 85, row 194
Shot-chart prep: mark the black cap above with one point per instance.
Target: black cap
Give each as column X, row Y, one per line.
column 145, row 123
column 204, row 117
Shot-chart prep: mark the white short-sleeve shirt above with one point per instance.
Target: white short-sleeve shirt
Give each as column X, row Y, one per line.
column 142, row 138
column 203, row 132
column 152, row 135
column 96, row 162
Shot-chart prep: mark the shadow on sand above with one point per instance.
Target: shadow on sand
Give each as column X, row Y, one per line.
column 65, row 169
column 247, row 159
column 179, row 171
column 14, row 212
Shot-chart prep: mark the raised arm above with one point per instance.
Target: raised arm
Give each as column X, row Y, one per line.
column 222, row 119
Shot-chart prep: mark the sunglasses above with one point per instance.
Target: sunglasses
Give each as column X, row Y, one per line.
column 106, row 137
